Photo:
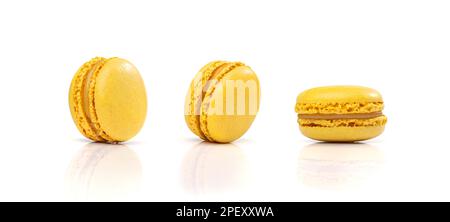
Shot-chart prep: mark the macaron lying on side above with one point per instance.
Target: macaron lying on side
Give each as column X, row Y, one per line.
column 107, row 100
column 341, row 113
column 222, row 101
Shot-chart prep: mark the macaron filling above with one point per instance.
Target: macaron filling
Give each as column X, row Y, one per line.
column 340, row 116
column 198, row 91
column 217, row 75
column 87, row 105
column 331, row 123
column 79, row 98
column 85, row 100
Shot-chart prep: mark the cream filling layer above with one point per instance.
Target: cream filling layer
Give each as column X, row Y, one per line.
column 340, row 116
column 216, row 77
column 198, row 91
column 85, row 98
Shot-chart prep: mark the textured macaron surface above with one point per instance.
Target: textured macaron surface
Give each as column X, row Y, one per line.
column 339, row 100
column 212, row 113
column 120, row 99
column 195, row 95
column 340, row 94
column 78, row 99
column 108, row 101
column 338, row 107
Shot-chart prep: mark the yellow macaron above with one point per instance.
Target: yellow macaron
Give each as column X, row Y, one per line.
column 341, row 113
column 107, row 100
column 222, row 101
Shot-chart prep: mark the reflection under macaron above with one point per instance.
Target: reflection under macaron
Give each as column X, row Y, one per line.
column 102, row 172
column 338, row 166
column 210, row 168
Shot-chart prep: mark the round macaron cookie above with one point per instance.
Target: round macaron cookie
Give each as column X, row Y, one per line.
column 222, row 101
column 340, row 113
column 107, row 100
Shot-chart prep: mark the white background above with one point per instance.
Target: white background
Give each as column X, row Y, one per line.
column 401, row 48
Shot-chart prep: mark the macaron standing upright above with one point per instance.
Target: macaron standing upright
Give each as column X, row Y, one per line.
column 222, row 101
column 341, row 113
column 108, row 100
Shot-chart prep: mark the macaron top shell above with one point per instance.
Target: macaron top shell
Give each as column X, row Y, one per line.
column 330, row 94
column 339, row 100
column 120, row 99
column 227, row 128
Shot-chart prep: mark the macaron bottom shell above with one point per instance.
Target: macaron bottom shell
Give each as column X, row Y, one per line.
column 226, row 129
column 342, row 134
column 221, row 128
